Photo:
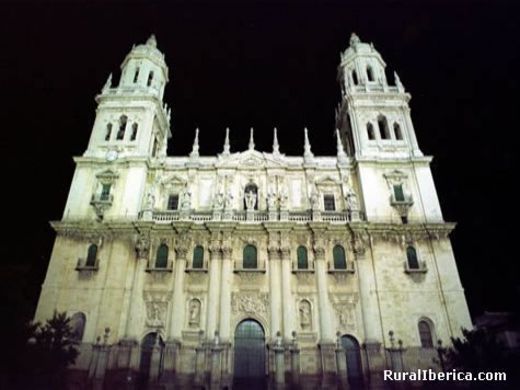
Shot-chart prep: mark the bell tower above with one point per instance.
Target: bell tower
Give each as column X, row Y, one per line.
column 373, row 116
column 130, row 132
column 131, row 119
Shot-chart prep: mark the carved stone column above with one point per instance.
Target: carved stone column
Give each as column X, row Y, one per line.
column 216, row 365
column 275, row 289
column 288, row 307
column 225, row 309
column 214, row 287
column 327, row 345
column 178, row 307
column 225, row 293
column 136, row 297
column 371, row 315
column 128, row 347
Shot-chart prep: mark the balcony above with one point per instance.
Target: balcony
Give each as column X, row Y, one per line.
column 256, row 216
column 420, row 270
column 350, row 269
column 406, row 201
column 87, row 266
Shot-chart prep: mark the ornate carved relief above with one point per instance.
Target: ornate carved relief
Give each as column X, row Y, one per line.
column 156, row 308
column 250, row 303
column 345, row 308
column 142, row 246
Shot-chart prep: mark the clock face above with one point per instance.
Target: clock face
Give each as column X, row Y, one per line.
column 111, row 155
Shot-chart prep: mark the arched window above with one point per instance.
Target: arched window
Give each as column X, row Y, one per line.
column 338, row 253
column 425, row 334
column 122, row 127
column 77, row 324
column 136, row 75
column 383, row 127
column 354, row 77
column 303, row 261
column 411, row 255
column 150, row 78
column 249, row 260
column 370, row 131
column 254, row 189
column 397, row 131
column 109, row 132
column 161, row 261
column 198, row 257
column 134, row 132
column 370, row 73
column 91, row 255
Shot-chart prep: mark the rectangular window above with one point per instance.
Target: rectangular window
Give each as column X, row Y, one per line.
column 398, row 193
column 173, row 202
column 328, row 203
column 105, row 192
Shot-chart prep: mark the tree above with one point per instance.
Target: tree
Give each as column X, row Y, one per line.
column 479, row 350
column 50, row 350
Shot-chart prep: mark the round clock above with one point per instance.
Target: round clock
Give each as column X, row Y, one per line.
column 111, row 155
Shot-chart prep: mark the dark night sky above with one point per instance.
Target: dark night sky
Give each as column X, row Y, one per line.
column 263, row 65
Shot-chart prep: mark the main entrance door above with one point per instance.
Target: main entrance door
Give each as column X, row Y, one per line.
column 354, row 369
column 249, row 357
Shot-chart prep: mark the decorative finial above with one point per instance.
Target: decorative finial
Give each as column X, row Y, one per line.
column 226, row 143
column 339, row 145
column 108, row 83
column 251, row 141
column 276, row 146
column 195, row 150
column 354, row 39
column 307, row 153
column 151, row 41
column 398, row 83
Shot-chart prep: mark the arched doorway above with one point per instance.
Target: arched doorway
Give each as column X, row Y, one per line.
column 145, row 361
column 353, row 355
column 249, row 356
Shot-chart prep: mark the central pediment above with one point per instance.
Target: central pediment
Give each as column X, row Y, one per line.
column 251, row 159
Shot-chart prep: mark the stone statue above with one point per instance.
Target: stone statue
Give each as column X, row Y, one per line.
column 352, row 201
column 271, row 201
column 279, row 339
column 283, row 199
column 150, row 200
column 314, row 201
column 229, row 200
column 250, row 198
column 219, row 201
column 194, row 315
column 305, row 315
column 354, row 39
column 186, row 200
column 142, row 247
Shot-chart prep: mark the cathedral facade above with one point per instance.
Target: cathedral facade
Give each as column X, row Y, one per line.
column 250, row 266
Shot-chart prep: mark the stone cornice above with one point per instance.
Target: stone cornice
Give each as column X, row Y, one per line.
column 377, row 230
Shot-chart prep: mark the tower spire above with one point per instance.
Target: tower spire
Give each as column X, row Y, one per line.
column 226, row 143
column 251, row 141
column 276, row 146
column 195, row 150
column 342, row 156
column 307, row 153
column 152, row 41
